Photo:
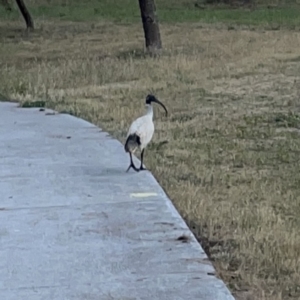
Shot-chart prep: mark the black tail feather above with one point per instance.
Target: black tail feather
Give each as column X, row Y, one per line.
column 132, row 143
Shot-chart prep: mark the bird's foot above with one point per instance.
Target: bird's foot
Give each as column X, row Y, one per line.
column 133, row 167
column 142, row 168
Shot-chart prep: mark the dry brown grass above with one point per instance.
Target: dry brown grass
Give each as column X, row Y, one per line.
column 231, row 164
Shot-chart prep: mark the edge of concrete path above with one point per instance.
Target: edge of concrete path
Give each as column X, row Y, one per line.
column 188, row 233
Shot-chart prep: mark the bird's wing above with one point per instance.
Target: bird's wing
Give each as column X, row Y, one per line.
column 141, row 127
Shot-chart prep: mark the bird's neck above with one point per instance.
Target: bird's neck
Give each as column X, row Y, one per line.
column 149, row 111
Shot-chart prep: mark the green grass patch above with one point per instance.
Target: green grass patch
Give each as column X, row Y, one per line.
column 3, row 98
column 287, row 120
column 127, row 11
column 30, row 104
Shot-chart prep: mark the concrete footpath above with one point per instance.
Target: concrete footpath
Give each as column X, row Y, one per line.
column 75, row 225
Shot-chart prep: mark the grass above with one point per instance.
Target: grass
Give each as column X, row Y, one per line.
column 127, row 12
column 228, row 154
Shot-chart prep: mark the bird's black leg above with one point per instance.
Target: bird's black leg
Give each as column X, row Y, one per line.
column 142, row 158
column 132, row 164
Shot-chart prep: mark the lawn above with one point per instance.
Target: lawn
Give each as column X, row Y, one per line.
column 229, row 153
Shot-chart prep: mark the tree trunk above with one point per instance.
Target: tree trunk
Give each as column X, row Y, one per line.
column 26, row 14
column 150, row 25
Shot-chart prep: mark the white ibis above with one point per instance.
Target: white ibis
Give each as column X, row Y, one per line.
column 140, row 132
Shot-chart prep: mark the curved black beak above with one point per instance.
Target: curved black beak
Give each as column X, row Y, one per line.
column 157, row 101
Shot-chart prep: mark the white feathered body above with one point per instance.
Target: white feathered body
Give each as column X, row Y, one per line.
column 143, row 128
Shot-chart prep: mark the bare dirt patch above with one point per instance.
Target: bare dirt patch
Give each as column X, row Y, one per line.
column 228, row 155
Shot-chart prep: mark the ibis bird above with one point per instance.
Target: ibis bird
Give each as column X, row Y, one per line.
column 140, row 132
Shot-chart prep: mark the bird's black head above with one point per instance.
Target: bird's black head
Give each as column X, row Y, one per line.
column 151, row 98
